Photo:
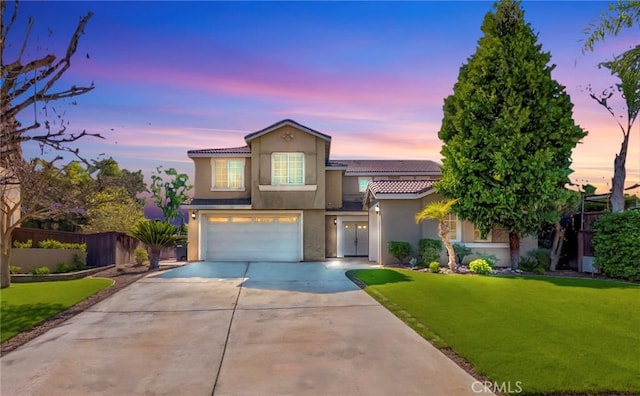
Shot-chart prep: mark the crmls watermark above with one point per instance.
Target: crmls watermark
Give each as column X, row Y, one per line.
column 496, row 387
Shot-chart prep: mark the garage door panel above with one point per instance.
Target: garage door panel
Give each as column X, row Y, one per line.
column 265, row 237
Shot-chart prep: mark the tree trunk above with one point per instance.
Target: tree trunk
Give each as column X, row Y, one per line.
column 619, row 175
column 444, row 235
column 514, row 249
column 154, row 258
column 5, row 277
column 556, row 247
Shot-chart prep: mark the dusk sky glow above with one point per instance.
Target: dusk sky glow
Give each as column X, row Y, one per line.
column 175, row 76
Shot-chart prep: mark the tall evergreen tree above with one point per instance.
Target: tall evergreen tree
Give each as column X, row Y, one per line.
column 508, row 132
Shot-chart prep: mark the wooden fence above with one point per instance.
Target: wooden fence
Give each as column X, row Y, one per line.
column 102, row 249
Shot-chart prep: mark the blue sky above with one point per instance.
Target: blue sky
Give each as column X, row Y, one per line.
column 174, row 76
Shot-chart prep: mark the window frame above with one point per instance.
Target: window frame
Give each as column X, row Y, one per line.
column 476, row 235
column 288, row 155
column 227, row 188
column 453, row 218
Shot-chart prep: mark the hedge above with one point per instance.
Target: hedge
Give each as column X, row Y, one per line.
column 616, row 244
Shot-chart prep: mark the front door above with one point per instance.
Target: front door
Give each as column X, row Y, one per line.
column 356, row 238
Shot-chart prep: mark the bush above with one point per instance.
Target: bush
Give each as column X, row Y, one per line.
column 399, row 250
column 42, row 271
column 480, row 266
column 616, row 244
column 62, row 268
column 488, row 257
column 23, row 245
column 536, row 261
column 434, row 267
column 53, row 244
column 140, row 255
column 429, row 249
column 14, row 269
column 78, row 264
column 462, row 251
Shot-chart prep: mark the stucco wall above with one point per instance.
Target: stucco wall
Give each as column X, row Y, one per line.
column 314, row 235
column 193, row 246
column 333, row 189
column 202, row 182
column 314, row 152
column 350, row 188
column 29, row 259
column 331, row 237
column 397, row 224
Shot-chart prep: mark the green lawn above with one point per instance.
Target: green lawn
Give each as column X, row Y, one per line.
column 554, row 335
column 24, row 305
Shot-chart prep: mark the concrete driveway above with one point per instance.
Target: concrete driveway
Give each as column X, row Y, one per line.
column 235, row 329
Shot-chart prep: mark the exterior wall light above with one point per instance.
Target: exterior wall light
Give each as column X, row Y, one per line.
column 377, row 209
column 193, row 215
column 335, row 221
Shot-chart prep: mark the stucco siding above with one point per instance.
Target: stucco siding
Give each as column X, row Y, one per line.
column 313, row 235
column 193, row 238
column 331, row 237
column 397, row 224
column 288, row 139
column 333, row 181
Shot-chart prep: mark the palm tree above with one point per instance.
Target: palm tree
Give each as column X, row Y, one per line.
column 156, row 235
column 439, row 210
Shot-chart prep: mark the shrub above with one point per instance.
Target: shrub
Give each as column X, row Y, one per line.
column 398, row 249
column 23, row 245
column 14, row 269
column 53, row 244
column 429, row 249
column 140, row 255
column 536, row 261
column 462, row 251
column 41, row 271
column 62, row 268
column 480, row 266
column 434, row 267
column 488, row 257
column 616, row 244
column 77, row 264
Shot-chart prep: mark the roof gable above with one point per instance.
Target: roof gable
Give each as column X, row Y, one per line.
column 248, row 138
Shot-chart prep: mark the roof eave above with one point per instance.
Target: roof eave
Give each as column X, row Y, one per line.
column 399, row 173
column 219, row 155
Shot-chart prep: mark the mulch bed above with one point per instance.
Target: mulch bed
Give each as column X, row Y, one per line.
column 122, row 276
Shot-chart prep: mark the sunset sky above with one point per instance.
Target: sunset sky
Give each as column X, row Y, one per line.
column 174, row 76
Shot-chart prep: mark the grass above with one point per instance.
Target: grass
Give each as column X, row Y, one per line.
column 24, row 305
column 554, row 335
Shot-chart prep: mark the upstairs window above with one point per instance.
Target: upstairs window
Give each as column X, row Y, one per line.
column 287, row 169
column 363, row 182
column 227, row 174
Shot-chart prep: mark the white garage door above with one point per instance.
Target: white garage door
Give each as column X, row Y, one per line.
column 250, row 237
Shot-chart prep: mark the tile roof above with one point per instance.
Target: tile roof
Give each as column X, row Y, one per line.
column 377, row 167
column 377, row 187
column 231, row 150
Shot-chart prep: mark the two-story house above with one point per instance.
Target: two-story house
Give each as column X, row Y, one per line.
column 281, row 198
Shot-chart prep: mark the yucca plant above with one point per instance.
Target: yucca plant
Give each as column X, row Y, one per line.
column 156, row 235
